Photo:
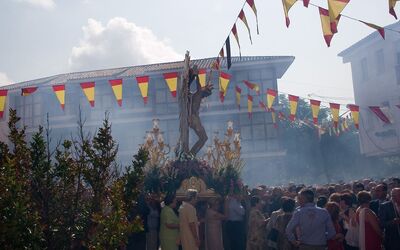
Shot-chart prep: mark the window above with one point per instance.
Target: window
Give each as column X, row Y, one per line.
column 364, row 69
column 380, row 60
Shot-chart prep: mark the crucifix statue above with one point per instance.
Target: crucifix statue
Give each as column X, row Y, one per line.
column 189, row 108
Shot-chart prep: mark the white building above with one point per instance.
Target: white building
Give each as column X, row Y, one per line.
column 375, row 65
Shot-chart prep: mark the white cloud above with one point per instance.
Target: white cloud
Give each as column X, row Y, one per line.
column 119, row 43
column 47, row 4
column 4, row 80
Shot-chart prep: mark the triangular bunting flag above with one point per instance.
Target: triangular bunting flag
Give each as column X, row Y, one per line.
column 238, row 91
column 262, row 105
column 221, row 53
column 355, row 112
column 326, row 25
column 250, row 105
column 273, row 116
column 335, row 108
column 378, row 112
column 306, row 3
column 3, row 98
column 287, row 4
column 335, row 8
column 28, row 91
column 59, row 90
column 202, row 77
column 143, row 83
column 223, row 84
column 88, row 90
column 172, row 82
column 392, row 3
column 315, row 106
column 293, row 100
column 252, row 86
column 235, row 33
column 335, row 24
column 242, row 17
column 380, row 29
column 253, row 7
column 116, row 86
column 228, row 52
column 271, row 94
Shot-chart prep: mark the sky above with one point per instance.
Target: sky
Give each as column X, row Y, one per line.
column 41, row 38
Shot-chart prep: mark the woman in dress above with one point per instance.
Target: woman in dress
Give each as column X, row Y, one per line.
column 336, row 243
column 213, row 226
column 370, row 234
column 257, row 226
column 169, row 225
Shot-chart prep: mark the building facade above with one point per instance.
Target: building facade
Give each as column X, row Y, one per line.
column 375, row 66
column 260, row 139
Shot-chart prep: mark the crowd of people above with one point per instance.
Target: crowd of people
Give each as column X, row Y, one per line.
column 361, row 215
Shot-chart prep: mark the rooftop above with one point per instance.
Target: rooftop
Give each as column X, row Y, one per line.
column 281, row 64
column 371, row 37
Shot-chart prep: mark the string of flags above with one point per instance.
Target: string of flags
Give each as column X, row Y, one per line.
column 171, row 79
column 329, row 22
column 338, row 122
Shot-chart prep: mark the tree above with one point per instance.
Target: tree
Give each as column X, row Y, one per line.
column 20, row 226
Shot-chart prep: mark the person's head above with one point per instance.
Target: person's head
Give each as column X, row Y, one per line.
column 255, row 202
column 335, row 197
column 170, row 200
column 363, row 198
column 306, row 195
column 396, row 182
column 381, row 191
column 191, row 196
column 288, row 205
column 396, row 196
column 321, row 201
column 346, row 201
column 333, row 210
column 358, row 187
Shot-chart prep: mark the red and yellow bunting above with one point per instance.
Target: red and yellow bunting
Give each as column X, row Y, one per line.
column 88, row 89
column 252, row 86
column 238, row 91
column 242, row 17
column 143, row 83
column 3, row 98
column 235, row 33
column 315, row 107
column 379, row 113
column 28, row 91
column 293, row 101
column 116, row 86
column 262, row 105
column 392, row 3
column 253, row 7
column 59, row 90
column 335, row 108
column 172, row 82
column 380, row 29
column 326, row 25
column 273, row 116
column 224, row 79
column 202, row 76
column 271, row 95
column 355, row 113
column 287, row 4
column 335, row 8
column 250, row 105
